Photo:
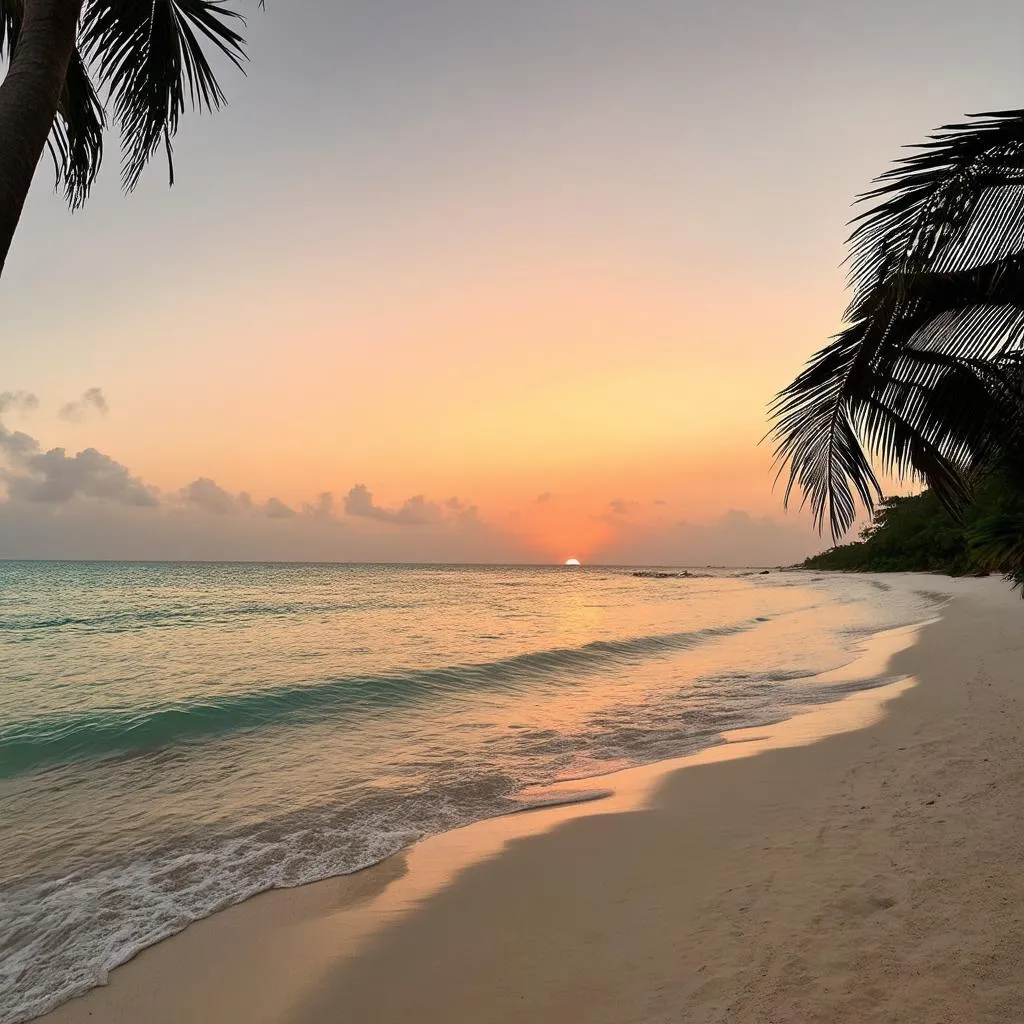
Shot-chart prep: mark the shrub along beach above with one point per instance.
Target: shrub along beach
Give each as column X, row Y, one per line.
column 920, row 534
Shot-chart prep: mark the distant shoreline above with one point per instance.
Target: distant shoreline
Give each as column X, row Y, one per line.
column 382, row 565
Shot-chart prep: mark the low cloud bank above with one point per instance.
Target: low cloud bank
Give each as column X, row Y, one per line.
column 736, row 538
column 54, row 504
column 88, row 505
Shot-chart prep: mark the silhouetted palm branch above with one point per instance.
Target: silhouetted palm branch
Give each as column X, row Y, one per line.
column 150, row 55
column 151, row 59
column 10, row 22
column 915, row 382
column 76, row 142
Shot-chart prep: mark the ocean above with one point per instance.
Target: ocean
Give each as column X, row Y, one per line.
column 176, row 737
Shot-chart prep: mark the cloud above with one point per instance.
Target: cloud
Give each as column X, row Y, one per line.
column 16, row 446
column 210, row 497
column 88, row 505
column 659, row 501
column 93, row 529
column 321, row 508
column 56, row 477
column 18, row 401
column 735, row 538
column 359, row 502
column 92, row 400
column 415, row 511
column 621, row 507
column 469, row 516
column 206, row 495
column 451, row 515
column 277, row 509
column 53, row 477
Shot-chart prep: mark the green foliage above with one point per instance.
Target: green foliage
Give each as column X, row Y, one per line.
column 995, row 534
column 905, row 535
column 919, row 534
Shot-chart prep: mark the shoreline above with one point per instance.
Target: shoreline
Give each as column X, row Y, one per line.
column 294, row 952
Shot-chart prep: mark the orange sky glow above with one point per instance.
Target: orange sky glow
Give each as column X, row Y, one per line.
column 483, row 255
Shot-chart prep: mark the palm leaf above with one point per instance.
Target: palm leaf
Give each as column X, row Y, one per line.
column 76, row 142
column 926, row 204
column 936, row 268
column 932, row 366
column 10, row 23
column 815, row 435
column 150, row 55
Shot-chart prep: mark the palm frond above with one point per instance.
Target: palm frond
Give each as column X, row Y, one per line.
column 151, row 54
column 815, row 435
column 937, row 268
column 76, row 142
column 915, row 389
column 10, row 24
column 924, row 207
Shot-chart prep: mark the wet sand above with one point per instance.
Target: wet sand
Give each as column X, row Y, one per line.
column 865, row 875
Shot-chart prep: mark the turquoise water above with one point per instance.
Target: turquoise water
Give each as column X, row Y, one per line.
column 177, row 737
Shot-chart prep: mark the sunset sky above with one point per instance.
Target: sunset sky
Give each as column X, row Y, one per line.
column 508, row 281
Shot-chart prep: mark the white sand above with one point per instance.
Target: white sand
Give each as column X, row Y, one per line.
column 876, row 875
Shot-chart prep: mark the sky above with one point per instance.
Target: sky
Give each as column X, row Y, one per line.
column 469, row 280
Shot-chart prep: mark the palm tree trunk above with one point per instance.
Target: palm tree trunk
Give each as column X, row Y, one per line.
column 28, row 101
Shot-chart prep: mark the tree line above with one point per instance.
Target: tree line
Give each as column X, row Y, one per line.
column 920, row 534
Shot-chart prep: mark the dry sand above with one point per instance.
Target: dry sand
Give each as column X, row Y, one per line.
column 875, row 875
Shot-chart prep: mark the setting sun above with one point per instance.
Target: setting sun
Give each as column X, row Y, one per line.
column 572, row 561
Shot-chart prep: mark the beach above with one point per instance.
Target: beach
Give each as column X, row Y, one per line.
column 176, row 739
column 870, row 874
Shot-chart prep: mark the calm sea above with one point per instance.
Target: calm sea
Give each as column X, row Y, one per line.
column 177, row 737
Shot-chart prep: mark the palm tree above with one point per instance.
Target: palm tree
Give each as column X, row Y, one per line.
column 70, row 61
column 926, row 380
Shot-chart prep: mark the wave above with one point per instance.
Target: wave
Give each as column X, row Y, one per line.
column 59, row 738
column 69, row 931
column 27, row 627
